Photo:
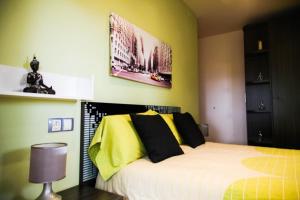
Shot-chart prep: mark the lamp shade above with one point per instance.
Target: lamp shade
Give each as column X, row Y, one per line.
column 204, row 129
column 47, row 162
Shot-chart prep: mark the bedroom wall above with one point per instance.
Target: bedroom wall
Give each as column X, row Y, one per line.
column 222, row 90
column 71, row 37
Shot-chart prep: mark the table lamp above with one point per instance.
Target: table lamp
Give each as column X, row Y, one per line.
column 204, row 129
column 48, row 164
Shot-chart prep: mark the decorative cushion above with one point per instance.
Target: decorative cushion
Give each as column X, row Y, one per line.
column 156, row 136
column 188, row 129
column 170, row 121
column 149, row 112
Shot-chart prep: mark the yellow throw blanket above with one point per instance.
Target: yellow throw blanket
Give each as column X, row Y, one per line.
column 116, row 143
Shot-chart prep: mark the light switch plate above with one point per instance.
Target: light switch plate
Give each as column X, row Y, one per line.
column 54, row 125
column 68, row 124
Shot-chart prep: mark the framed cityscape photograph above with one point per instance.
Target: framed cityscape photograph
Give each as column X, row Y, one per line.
column 136, row 55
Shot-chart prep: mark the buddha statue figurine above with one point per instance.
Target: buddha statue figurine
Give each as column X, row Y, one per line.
column 35, row 80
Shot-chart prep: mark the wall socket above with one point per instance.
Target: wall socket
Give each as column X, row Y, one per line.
column 60, row 124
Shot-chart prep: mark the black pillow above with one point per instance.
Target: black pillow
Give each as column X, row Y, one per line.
column 159, row 141
column 188, row 129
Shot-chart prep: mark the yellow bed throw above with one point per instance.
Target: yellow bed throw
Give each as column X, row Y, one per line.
column 116, row 143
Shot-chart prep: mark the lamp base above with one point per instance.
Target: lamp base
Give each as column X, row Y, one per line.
column 48, row 194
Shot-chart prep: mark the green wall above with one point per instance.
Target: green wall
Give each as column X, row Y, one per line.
column 71, row 37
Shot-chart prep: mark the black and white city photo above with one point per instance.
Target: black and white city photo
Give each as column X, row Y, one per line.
column 137, row 55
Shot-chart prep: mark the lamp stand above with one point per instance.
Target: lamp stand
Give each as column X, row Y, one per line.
column 48, row 194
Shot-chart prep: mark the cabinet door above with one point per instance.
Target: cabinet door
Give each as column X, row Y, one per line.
column 257, row 68
column 253, row 34
column 285, row 63
column 258, row 98
column 259, row 127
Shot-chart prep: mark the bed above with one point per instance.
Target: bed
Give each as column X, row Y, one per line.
column 210, row 171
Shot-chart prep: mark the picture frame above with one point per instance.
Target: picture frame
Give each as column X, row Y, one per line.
column 137, row 55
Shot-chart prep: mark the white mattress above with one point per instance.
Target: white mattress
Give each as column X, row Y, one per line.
column 201, row 173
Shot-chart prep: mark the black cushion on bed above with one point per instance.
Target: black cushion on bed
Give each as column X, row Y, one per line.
column 156, row 136
column 188, row 129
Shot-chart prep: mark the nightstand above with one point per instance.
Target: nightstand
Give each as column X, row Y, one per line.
column 87, row 193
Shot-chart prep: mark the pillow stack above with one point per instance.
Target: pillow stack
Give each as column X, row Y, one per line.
column 122, row 139
column 161, row 135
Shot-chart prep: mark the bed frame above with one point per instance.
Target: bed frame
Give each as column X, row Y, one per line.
column 91, row 115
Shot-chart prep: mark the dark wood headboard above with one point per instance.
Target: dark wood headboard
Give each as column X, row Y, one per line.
column 91, row 115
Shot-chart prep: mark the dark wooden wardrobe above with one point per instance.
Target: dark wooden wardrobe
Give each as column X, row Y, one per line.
column 272, row 74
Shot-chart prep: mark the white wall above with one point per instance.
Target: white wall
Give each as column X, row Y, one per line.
column 222, row 89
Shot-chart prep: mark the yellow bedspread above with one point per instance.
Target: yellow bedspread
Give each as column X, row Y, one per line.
column 212, row 171
column 280, row 178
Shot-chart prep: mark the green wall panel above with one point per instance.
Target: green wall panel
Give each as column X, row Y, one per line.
column 70, row 37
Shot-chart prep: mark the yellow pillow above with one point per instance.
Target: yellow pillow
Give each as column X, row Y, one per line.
column 149, row 112
column 170, row 121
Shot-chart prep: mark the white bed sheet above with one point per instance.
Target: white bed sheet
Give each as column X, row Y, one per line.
column 201, row 173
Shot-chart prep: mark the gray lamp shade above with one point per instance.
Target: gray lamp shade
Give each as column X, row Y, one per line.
column 204, row 129
column 47, row 162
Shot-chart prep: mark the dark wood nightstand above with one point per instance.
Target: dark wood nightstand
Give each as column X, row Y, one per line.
column 87, row 193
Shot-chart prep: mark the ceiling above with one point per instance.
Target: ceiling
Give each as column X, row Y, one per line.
column 221, row 16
